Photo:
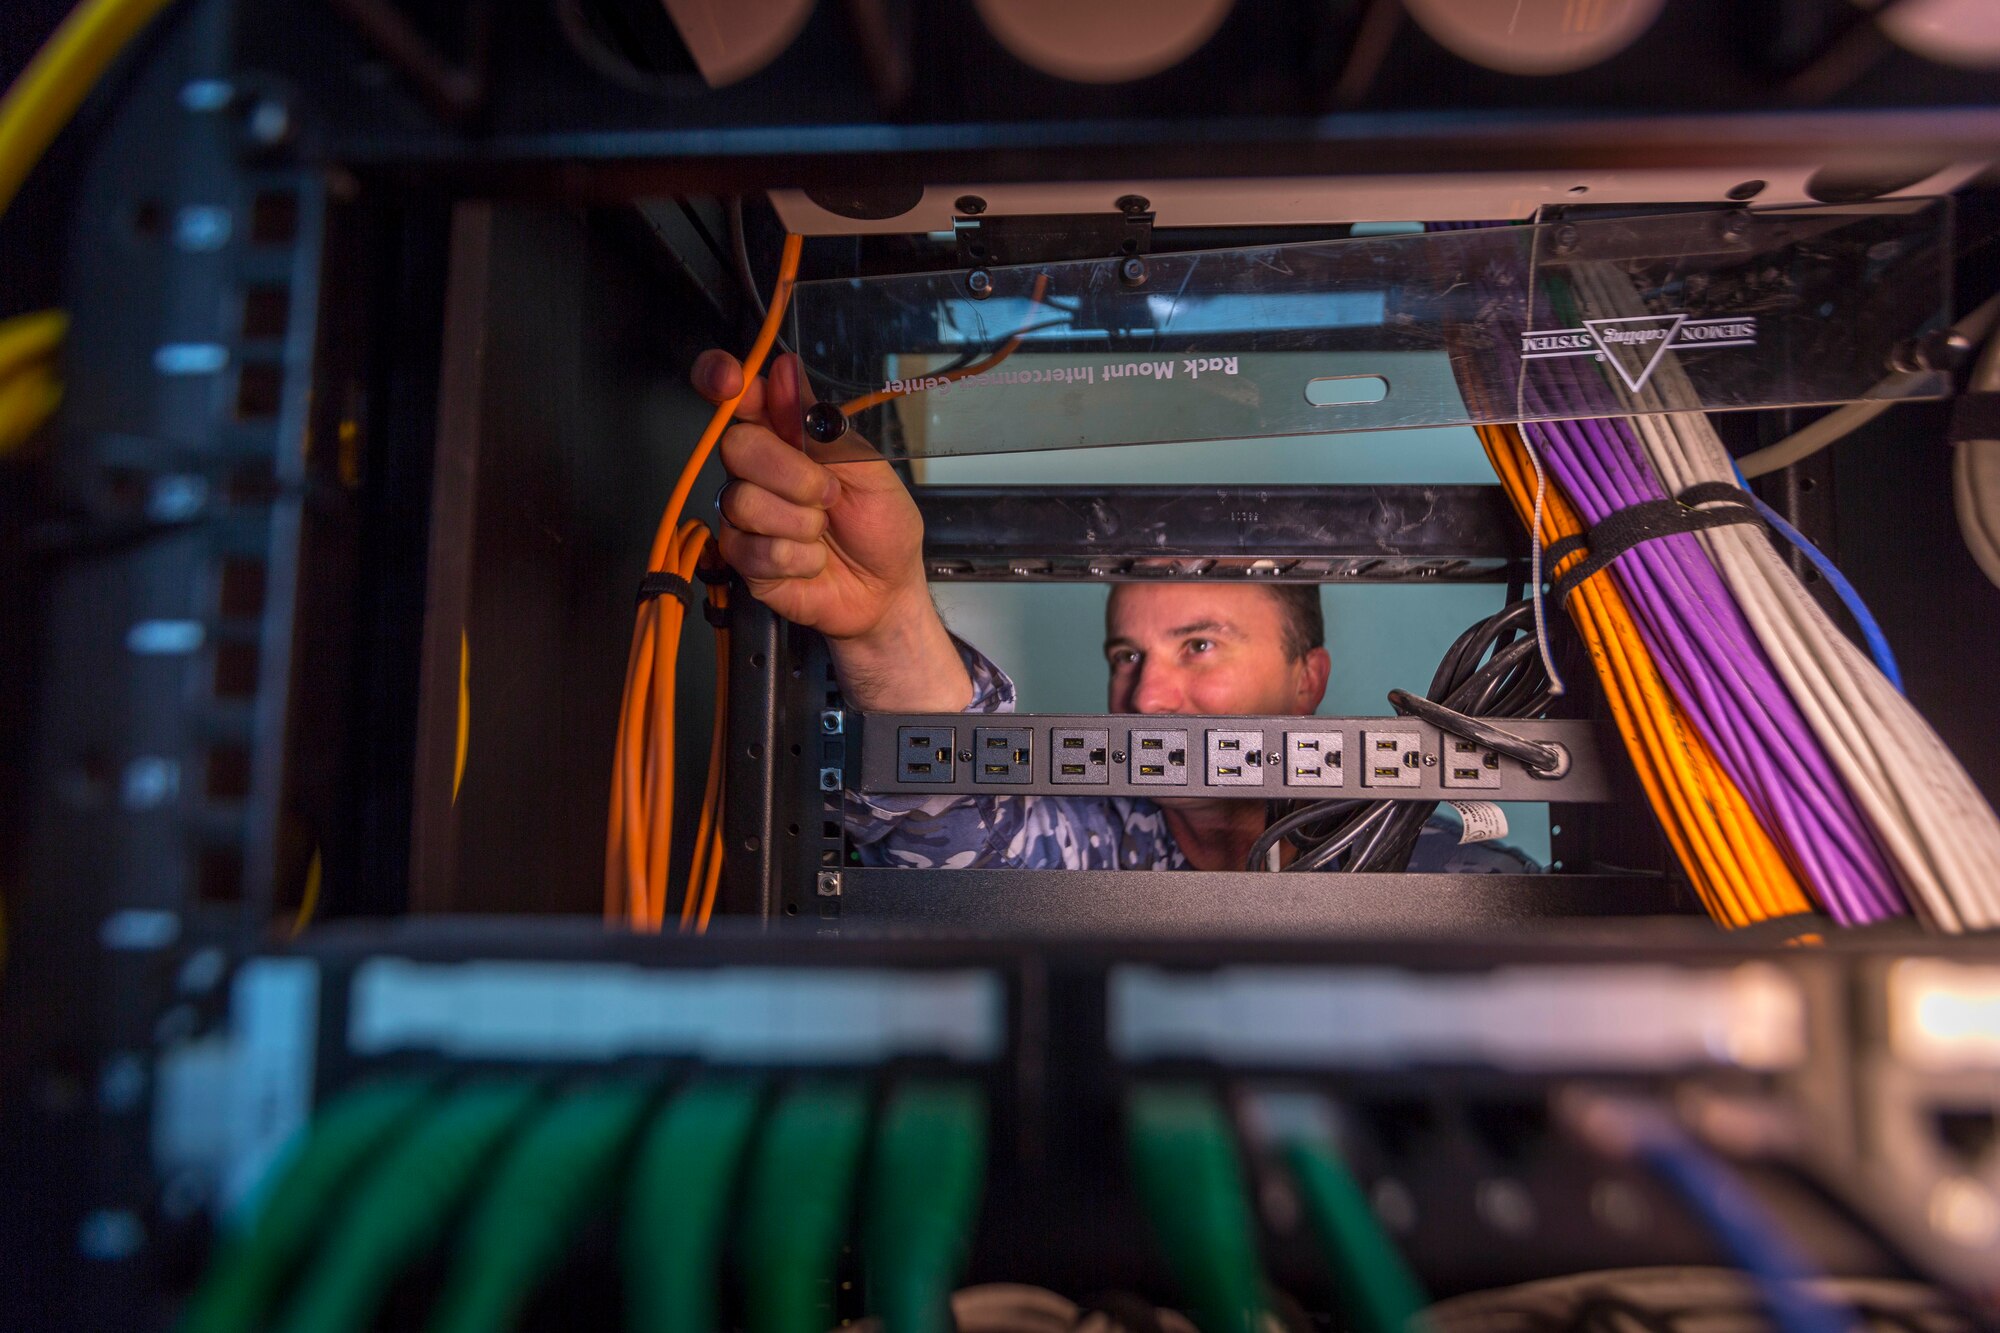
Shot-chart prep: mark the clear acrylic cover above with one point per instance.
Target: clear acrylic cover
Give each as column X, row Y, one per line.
column 1687, row 311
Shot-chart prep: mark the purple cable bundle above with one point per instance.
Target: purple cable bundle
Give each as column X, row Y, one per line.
column 1711, row 660
column 1699, row 639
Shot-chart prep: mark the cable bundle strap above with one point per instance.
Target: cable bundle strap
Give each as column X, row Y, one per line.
column 1976, row 416
column 1622, row 529
column 668, row 584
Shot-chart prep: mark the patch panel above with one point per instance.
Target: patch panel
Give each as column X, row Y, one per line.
column 1003, row 754
column 927, row 754
column 1313, row 759
column 1392, row 758
column 1079, row 756
column 1159, row 758
column 1467, row 765
column 1235, row 758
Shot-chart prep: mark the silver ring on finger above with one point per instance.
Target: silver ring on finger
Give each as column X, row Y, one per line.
column 722, row 491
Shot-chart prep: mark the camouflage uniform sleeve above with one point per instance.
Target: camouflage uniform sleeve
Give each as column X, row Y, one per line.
column 954, row 832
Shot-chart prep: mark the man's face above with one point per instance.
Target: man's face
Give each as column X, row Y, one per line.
column 1205, row 648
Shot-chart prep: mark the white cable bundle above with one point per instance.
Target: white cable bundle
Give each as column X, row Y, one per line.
column 1936, row 828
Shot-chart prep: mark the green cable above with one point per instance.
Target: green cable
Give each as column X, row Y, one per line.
column 399, row 1208
column 1383, row 1293
column 795, row 1211
column 562, row 1164
column 1190, row 1179
column 683, row 1182
column 923, row 1203
column 249, row 1265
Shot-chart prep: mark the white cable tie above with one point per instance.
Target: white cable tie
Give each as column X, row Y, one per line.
column 1535, row 568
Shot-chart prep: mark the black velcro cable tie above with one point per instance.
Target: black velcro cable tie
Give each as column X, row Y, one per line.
column 673, row 585
column 1622, row 529
column 1562, row 548
column 1976, row 416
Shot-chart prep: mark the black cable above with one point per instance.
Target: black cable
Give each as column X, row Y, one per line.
column 1538, row 757
column 1492, row 670
column 739, row 250
column 1291, row 823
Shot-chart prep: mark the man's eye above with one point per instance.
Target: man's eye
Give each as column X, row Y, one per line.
column 1200, row 645
column 1124, row 657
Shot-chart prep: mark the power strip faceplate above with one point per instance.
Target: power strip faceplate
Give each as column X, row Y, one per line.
column 1270, row 758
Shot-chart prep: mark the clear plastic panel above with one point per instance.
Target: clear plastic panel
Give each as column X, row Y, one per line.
column 1689, row 311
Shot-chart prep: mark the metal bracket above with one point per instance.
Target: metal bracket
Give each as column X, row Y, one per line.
column 1052, row 238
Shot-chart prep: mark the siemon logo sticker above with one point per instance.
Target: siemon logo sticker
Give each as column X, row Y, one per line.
column 1634, row 344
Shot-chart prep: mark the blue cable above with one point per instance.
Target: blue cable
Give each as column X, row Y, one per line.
column 1749, row 1233
column 1871, row 633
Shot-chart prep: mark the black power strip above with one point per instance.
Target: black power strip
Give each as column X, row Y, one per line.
column 1308, row 758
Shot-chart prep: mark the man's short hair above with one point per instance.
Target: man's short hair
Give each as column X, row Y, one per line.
column 1305, row 623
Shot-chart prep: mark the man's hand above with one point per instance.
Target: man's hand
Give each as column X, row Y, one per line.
column 837, row 548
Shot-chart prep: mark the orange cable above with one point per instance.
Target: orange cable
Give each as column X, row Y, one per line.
column 712, row 880
column 638, row 839
column 711, row 800
column 1737, row 869
column 1012, row 345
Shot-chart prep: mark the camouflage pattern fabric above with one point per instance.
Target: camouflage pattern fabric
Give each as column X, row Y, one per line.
column 1076, row 832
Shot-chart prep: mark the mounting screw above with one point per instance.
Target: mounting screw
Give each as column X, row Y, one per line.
column 965, row 756
column 268, row 122
column 828, row 883
column 1131, row 205
column 825, row 422
column 970, row 205
column 1566, row 238
column 110, row 1234
column 831, row 721
column 1117, row 756
column 829, row 779
column 980, row 283
column 1430, row 761
column 1132, row 272
column 1943, row 350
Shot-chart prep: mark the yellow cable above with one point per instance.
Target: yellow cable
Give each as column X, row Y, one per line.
column 309, row 900
column 1735, row 866
column 48, row 92
column 26, row 339
column 27, row 399
column 464, row 714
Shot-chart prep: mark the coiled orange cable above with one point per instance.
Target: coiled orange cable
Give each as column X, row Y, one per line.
column 639, row 839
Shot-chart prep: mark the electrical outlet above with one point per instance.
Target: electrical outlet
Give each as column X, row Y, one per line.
column 1392, row 758
column 926, row 754
column 1469, row 765
column 1159, row 758
column 1235, row 758
column 1003, row 754
column 1312, row 759
column 1080, row 756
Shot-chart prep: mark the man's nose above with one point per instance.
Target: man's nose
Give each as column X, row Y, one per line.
column 1158, row 690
